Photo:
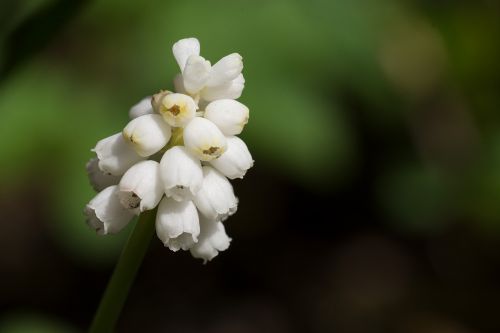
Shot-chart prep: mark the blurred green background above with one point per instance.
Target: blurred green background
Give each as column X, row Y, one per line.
column 374, row 203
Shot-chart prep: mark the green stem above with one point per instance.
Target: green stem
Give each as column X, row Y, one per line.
column 123, row 276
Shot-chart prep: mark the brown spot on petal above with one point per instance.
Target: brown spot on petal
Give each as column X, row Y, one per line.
column 211, row 151
column 175, row 110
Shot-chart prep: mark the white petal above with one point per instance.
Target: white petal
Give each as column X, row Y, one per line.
column 225, row 70
column 185, row 48
column 98, row 179
column 231, row 211
column 216, row 198
column 177, row 224
column 229, row 115
column 195, row 73
column 212, row 240
column 177, row 109
column 105, row 214
column 157, row 98
column 147, row 134
column 115, row 155
column 181, row 173
column 141, row 108
column 204, row 139
column 141, row 187
column 179, row 84
column 235, row 162
column 229, row 90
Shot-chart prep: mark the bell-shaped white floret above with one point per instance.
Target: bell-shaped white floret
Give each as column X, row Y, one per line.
column 105, row 214
column 196, row 73
column 177, row 224
column 216, row 199
column 235, row 162
column 183, row 49
column 140, row 109
column 204, row 139
column 147, row 134
column 213, row 239
column 115, row 155
column 177, row 109
column 225, row 70
column 179, row 84
column 229, row 115
column 99, row 179
column 141, row 187
column 228, row 90
column 181, row 173
column 157, row 98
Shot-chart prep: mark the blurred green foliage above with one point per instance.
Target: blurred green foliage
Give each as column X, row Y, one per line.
column 301, row 61
column 31, row 323
column 415, row 198
column 400, row 96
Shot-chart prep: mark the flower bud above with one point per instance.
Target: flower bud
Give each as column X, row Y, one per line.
column 105, row 214
column 147, row 134
column 179, row 84
column 216, row 199
column 228, row 90
column 212, row 240
column 185, row 48
column 195, row 73
column 229, row 115
column 177, row 109
column 140, row 187
column 181, row 173
column 235, row 162
column 204, row 139
column 157, row 98
column 177, row 224
column 141, row 108
column 225, row 70
column 98, row 179
column 115, row 155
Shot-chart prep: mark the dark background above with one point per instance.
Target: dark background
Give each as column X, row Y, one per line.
column 374, row 202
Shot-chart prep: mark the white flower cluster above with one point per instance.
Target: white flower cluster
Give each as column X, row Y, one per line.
column 177, row 153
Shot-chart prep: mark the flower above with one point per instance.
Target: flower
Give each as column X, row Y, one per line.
column 105, row 214
column 177, row 224
column 213, row 239
column 231, row 90
column 225, row 70
column 235, row 162
column 181, row 173
column 184, row 48
column 141, row 108
column 114, row 155
column 177, row 109
column 157, row 99
column 216, row 199
column 204, row 139
column 175, row 155
column 99, row 179
column 147, row 134
column 140, row 187
column 229, row 115
column 195, row 73
column 203, row 81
